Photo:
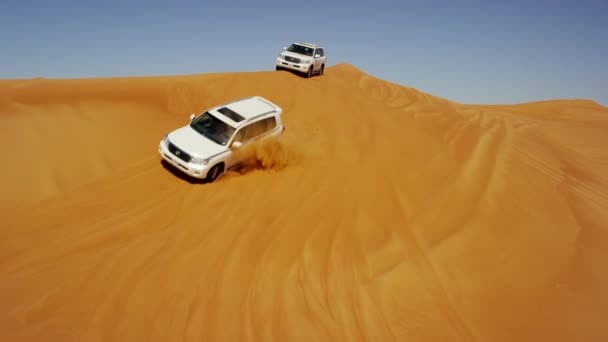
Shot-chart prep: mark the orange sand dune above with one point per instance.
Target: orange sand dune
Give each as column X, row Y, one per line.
column 386, row 214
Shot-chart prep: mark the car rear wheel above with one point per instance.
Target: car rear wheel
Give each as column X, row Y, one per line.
column 322, row 69
column 309, row 73
column 214, row 173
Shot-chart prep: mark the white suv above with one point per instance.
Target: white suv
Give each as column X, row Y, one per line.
column 205, row 148
column 303, row 57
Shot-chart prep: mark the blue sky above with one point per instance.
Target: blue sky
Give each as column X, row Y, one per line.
column 467, row 51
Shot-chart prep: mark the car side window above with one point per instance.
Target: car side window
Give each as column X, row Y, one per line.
column 322, row 52
column 317, row 52
column 269, row 124
column 256, row 129
column 240, row 135
column 260, row 127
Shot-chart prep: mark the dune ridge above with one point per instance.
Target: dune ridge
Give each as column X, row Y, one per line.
column 386, row 214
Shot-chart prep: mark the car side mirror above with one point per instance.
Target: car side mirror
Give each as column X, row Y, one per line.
column 192, row 116
column 284, row 48
column 317, row 56
column 237, row 144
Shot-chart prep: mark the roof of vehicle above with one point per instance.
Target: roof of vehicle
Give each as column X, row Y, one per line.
column 311, row 45
column 242, row 111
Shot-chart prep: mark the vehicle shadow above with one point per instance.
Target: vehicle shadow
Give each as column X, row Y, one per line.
column 180, row 174
column 294, row 72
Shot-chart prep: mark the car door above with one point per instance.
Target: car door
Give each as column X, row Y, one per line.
column 241, row 136
column 246, row 135
column 323, row 57
column 317, row 60
column 250, row 134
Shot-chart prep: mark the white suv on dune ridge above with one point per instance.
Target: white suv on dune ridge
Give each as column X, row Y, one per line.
column 306, row 58
column 206, row 147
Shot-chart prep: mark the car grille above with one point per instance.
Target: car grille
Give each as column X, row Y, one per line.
column 292, row 59
column 179, row 153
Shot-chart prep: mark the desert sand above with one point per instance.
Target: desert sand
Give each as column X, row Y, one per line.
column 384, row 214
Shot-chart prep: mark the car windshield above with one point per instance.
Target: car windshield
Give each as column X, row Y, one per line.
column 302, row 50
column 213, row 128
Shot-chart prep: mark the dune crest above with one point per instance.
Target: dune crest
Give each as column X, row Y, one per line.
column 385, row 214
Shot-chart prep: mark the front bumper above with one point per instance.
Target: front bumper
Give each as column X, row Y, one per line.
column 194, row 170
column 301, row 67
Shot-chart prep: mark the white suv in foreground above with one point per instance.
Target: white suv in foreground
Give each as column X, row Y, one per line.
column 205, row 148
column 303, row 57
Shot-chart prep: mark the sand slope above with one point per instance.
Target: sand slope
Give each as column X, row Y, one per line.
column 386, row 214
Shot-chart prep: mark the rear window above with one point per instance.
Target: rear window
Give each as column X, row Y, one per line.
column 234, row 116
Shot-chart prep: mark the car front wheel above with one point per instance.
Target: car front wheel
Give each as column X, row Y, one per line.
column 214, row 173
column 309, row 73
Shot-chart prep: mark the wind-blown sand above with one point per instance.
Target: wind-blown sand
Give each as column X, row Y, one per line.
column 386, row 214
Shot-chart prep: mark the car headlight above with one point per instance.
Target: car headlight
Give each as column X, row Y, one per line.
column 166, row 139
column 306, row 61
column 281, row 56
column 199, row 160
